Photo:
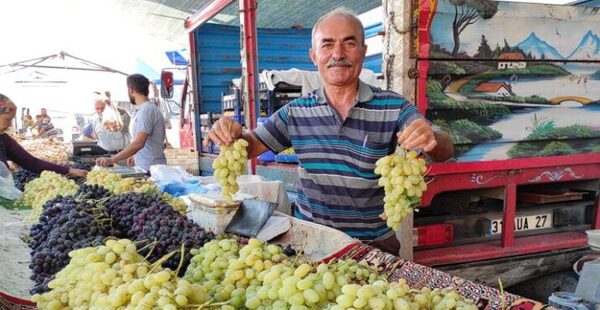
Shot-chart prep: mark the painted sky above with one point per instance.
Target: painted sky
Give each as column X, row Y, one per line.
column 514, row 22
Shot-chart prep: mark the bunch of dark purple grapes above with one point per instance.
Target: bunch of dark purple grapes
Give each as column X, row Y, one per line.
column 93, row 192
column 22, row 177
column 159, row 228
column 65, row 224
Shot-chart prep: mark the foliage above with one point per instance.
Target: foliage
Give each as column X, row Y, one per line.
column 476, row 111
column 515, row 99
column 464, row 133
column 547, row 140
column 484, row 51
column 557, row 148
column 467, row 13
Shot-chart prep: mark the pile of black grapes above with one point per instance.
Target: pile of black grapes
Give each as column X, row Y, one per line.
column 163, row 230
column 22, row 176
column 93, row 192
column 65, row 224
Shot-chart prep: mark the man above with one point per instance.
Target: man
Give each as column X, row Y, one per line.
column 338, row 132
column 148, row 129
column 111, row 141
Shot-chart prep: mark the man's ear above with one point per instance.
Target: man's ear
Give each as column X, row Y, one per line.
column 365, row 51
column 313, row 56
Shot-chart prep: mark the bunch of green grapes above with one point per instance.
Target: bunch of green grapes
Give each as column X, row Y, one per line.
column 209, row 263
column 104, row 178
column 134, row 185
column 49, row 185
column 229, row 165
column 115, row 276
column 402, row 178
column 398, row 295
column 176, row 203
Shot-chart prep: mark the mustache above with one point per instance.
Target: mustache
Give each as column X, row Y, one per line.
column 339, row 63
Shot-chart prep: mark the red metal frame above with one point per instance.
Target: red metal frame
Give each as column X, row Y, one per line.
column 203, row 15
column 493, row 249
column 248, row 15
column 506, row 174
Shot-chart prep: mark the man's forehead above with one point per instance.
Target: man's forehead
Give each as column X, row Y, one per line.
column 337, row 27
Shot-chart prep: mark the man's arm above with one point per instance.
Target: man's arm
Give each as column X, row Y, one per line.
column 132, row 148
column 444, row 149
column 126, row 153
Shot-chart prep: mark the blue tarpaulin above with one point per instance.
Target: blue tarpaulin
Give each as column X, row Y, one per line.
column 176, row 58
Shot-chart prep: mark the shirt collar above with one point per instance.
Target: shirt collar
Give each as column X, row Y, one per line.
column 364, row 93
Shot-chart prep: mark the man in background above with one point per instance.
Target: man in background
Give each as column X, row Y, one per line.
column 148, row 129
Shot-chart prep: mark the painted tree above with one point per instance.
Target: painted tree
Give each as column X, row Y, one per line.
column 467, row 12
column 484, row 51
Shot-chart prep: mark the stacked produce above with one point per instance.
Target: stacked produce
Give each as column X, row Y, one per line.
column 150, row 220
column 44, row 188
column 65, row 224
column 403, row 182
column 118, row 185
column 115, row 276
column 53, row 151
column 22, row 177
column 229, row 165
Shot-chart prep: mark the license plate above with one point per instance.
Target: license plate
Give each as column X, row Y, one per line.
column 523, row 223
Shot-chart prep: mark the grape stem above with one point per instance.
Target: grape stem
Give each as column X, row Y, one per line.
column 181, row 258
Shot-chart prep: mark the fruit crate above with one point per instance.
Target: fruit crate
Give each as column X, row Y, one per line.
column 185, row 158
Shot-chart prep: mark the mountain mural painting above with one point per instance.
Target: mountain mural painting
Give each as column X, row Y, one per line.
column 511, row 85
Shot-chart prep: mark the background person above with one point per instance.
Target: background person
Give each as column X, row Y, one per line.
column 111, row 141
column 13, row 151
column 148, row 129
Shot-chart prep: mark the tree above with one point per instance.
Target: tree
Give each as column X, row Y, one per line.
column 484, row 51
column 467, row 12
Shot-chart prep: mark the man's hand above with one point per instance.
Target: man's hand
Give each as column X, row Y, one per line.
column 78, row 172
column 104, row 161
column 130, row 161
column 417, row 135
column 223, row 132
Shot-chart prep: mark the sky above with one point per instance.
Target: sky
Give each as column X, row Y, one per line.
column 92, row 30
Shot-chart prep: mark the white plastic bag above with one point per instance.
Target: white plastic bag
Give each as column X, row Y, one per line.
column 164, row 173
column 7, row 184
column 111, row 118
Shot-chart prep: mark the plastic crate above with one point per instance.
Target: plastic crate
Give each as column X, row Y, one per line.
column 210, row 214
column 189, row 160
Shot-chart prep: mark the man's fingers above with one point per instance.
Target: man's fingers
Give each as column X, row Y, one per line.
column 430, row 146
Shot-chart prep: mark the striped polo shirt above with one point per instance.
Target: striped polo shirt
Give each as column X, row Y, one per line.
column 336, row 158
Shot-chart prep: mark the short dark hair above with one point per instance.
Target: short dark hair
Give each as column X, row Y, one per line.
column 139, row 83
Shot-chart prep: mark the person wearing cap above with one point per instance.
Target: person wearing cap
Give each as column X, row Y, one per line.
column 13, row 151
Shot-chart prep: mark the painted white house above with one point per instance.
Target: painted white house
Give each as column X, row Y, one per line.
column 494, row 89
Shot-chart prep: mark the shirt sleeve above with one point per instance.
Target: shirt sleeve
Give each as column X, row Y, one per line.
column 146, row 120
column 17, row 154
column 408, row 114
column 274, row 133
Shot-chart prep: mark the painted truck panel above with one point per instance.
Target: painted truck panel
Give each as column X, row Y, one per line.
column 511, row 80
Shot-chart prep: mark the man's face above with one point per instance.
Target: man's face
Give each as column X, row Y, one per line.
column 43, row 111
column 338, row 51
column 100, row 106
column 131, row 98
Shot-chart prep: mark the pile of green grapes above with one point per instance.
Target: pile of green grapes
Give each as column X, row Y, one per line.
column 402, row 178
column 229, row 165
column 47, row 186
column 115, row 276
column 117, row 184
